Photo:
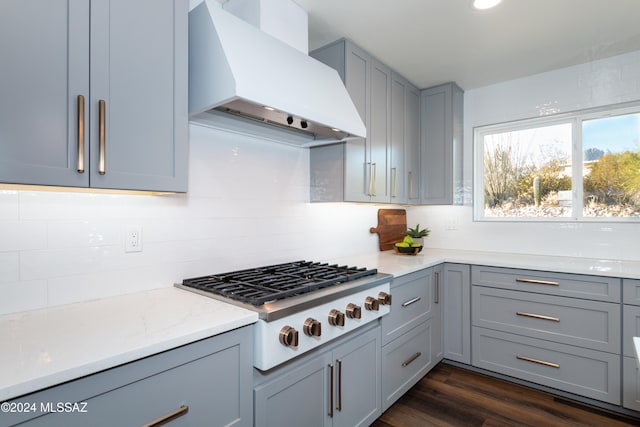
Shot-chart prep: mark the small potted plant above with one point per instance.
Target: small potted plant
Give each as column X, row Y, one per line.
column 418, row 235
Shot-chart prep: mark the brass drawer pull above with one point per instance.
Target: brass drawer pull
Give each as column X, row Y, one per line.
column 539, row 362
column 537, row 282
column 411, row 359
column 411, row 301
column 331, row 388
column 436, row 298
column 169, row 417
column 339, row 407
column 80, row 107
column 538, row 316
column 102, row 136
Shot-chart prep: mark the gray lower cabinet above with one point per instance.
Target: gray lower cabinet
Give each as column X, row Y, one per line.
column 630, row 329
column 457, row 312
column 441, row 110
column 437, row 342
column 555, row 329
column 204, row 383
column 338, row 385
column 582, row 323
column 630, row 383
column 412, row 332
column 582, row 371
column 92, row 98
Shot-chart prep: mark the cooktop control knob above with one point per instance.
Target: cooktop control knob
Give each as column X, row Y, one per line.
column 336, row 318
column 371, row 304
column 312, row 327
column 384, row 298
column 288, row 336
column 354, row 311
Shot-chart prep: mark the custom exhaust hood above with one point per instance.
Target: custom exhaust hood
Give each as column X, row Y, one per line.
column 235, row 68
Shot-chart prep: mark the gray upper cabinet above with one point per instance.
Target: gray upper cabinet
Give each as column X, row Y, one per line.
column 368, row 164
column 95, row 94
column 404, row 146
column 441, row 110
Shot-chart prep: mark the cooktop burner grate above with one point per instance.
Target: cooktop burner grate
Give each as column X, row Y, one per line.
column 258, row 286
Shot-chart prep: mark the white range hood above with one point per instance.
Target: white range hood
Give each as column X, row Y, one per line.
column 235, row 68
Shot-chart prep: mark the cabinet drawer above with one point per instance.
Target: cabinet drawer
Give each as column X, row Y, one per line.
column 630, row 328
column 631, row 291
column 411, row 304
column 588, row 373
column 583, row 323
column 570, row 285
column 404, row 362
column 631, row 383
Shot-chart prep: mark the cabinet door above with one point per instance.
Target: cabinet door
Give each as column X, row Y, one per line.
column 44, row 47
column 457, row 313
column 441, row 141
column 295, row 399
column 139, row 70
column 379, row 132
column 437, row 345
column 412, row 145
column 397, row 142
column 630, row 383
column 357, row 163
column 358, row 389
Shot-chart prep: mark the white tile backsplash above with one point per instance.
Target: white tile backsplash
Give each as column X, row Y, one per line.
column 248, row 205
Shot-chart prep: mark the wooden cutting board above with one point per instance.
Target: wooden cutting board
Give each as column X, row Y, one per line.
column 392, row 227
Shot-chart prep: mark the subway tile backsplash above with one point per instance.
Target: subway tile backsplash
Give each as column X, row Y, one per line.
column 248, row 205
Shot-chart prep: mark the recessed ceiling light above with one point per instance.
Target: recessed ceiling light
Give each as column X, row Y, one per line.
column 269, row 108
column 485, row 4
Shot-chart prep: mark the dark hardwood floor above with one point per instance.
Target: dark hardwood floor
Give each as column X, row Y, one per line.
column 452, row 396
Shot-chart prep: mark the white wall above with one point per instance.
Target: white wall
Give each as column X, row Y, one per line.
column 610, row 81
column 247, row 206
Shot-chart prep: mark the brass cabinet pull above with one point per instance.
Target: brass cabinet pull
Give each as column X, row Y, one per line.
column 80, row 110
column 331, row 390
column 410, row 185
column 394, row 177
column 411, row 301
column 168, row 417
column 538, row 316
column 436, row 299
column 411, row 359
column 339, row 407
column 375, row 184
column 537, row 282
column 370, row 189
column 539, row 362
column 102, row 118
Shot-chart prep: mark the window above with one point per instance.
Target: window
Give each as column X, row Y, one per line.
column 579, row 166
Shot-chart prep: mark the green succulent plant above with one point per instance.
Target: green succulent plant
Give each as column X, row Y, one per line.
column 416, row 232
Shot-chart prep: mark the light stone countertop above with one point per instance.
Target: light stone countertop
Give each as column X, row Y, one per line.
column 398, row 265
column 42, row 348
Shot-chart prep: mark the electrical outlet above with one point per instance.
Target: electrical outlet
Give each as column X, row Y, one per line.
column 133, row 239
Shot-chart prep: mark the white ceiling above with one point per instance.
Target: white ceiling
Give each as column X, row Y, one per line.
column 435, row 41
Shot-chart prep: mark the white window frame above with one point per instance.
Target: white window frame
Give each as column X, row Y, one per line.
column 575, row 119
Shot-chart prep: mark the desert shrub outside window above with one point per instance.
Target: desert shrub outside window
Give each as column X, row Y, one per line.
column 582, row 166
